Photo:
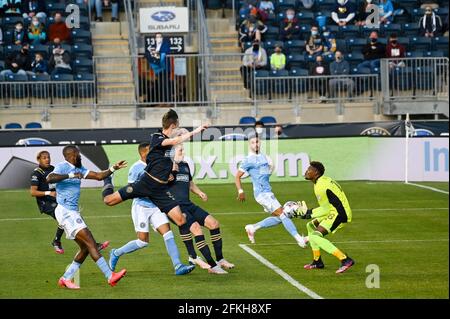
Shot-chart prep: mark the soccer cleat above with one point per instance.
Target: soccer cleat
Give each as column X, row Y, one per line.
column 250, row 233
column 57, row 246
column 116, row 276
column 345, row 264
column 316, row 264
column 200, row 262
column 113, row 259
column 181, row 269
column 62, row 282
column 302, row 241
column 217, row 270
column 225, row 264
column 102, row 245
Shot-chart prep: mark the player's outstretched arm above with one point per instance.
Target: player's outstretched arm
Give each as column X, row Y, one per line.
column 183, row 137
column 196, row 190
column 237, row 181
column 36, row 193
column 56, row 178
column 104, row 174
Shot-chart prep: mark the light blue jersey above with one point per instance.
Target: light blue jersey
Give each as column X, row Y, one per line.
column 133, row 175
column 258, row 167
column 68, row 190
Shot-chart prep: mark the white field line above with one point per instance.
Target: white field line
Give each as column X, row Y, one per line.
column 280, row 272
column 428, row 187
column 236, row 213
column 390, row 241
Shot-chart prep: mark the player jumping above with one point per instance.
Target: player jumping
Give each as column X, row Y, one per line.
column 181, row 187
column 333, row 213
column 143, row 213
column 257, row 166
column 67, row 175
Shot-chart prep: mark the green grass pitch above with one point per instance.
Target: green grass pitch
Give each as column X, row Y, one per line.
column 400, row 228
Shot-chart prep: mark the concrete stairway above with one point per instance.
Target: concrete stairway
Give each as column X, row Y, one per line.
column 225, row 77
column 112, row 63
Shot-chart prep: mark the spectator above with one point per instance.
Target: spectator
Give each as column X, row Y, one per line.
column 255, row 58
column 278, row 132
column 386, row 11
column 59, row 30
column 445, row 27
column 39, row 65
column 340, row 67
column 156, row 56
column 34, row 8
column 99, row 4
column 11, row 7
column 60, row 61
column 395, row 50
column 329, row 45
column 251, row 30
column 307, row 4
column 373, row 52
column 344, row 12
column 278, row 59
column 36, row 31
column 430, row 24
column 267, row 6
column 260, row 130
column 429, row 3
column 363, row 13
column 247, row 6
column 320, row 68
column 315, row 43
column 18, row 62
column 289, row 27
column 19, row 35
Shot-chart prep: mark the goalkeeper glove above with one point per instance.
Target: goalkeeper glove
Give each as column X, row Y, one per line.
column 303, row 210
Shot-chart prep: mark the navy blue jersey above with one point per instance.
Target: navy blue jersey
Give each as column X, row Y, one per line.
column 46, row 204
column 159, row 158
column 180, row 187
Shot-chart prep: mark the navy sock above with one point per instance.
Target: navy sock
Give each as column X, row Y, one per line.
column 216, row 239
column 204, row 249
column 187, row 241
column 59, row 233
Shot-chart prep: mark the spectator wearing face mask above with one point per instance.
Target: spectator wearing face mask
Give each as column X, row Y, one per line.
column 320, row 68
column 34, row 8
column 386, row 10
column 278, row 59
column 395, row 50
column 19, row 35
column 60, row 61
column 315, row 43
column 340, row 67
column 251, row 30
column 363, row 13
column 39, row 65
column 18, row 62
column 255, row 58
column 59, row 30
column 329, row 45
column 344, row 12
column 289, row 27
column 372, row 52
column 36, row 31
column 260, row 130
column 430, row 24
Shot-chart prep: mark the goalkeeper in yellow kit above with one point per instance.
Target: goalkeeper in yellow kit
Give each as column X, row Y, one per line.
column 333, row 213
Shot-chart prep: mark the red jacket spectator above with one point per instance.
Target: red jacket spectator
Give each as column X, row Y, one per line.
column 58, row 30
column 395, row 49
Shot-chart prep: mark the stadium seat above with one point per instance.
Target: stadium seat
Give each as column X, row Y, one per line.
column 81, row 36
column 18, row 90
column 40, row 90
column 296, row 61
column 272, row 32
column 62, row 90
column 81, row 50
column 40, row 48
column 424, row 78
column 83, row 65
column 32, row 125
column 13, row 125
column 86, row 89
column 280, row 86
column 262, row 86
column 294, row 46
column 53, row 7
column 414, row 54
column 401, row 78
column 434, row 54
column 247, row 120
column 440, row 43
column 388, row 29
column 355, row 44
column 285, row 4
column 421, row 43
column 299, row 84
column 268, row 120
column 306, row 17
column 9, row 22
column 349, row 31
column 10, row 49
column 410, row 29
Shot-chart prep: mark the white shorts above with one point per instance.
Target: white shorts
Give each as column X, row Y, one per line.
column 143, row 216
column 70, row 220
column 268, row 201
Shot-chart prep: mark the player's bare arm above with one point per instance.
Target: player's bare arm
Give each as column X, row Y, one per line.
column 196, row 190
column 183, row 137
column 56, row 178
column 237, row 180
column 104, row 174
column 36, row 193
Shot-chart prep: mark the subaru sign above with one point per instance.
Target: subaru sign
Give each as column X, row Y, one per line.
column 164, row 20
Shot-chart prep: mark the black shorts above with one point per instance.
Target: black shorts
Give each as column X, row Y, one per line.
column 158, row 193
column 194, row 213
column 50, row 213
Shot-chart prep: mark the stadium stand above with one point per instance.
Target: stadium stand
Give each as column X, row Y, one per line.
column 33, row 125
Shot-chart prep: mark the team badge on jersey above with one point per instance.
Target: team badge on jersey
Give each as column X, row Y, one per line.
column 129, row 189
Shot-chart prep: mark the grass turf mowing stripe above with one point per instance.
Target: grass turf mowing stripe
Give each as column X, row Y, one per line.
column 280, row 272
column 428, row 187
column 365, row 242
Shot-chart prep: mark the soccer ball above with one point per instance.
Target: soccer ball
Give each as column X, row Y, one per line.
column 290, row 208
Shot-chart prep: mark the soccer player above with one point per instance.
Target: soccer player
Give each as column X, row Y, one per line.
column 46, row 196
column 181, row 187
column 67, row 175
column 332, row 214
column 257, row 165
column 143, row 213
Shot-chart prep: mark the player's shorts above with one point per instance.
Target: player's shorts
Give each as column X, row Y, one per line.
column 50, row 213
column 268, row 201
column 332, row 222
column 158, row 193
column 70, row 220
column 194, row 212
column 143, row 216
